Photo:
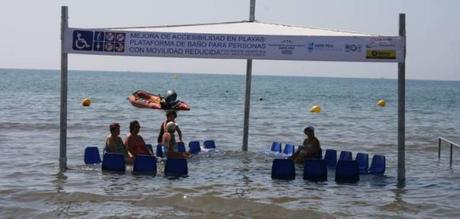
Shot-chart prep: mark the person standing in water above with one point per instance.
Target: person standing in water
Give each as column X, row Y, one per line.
column 171, row 116
column 169, row 141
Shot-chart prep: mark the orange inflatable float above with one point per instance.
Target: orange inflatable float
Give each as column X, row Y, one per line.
column 144, row 99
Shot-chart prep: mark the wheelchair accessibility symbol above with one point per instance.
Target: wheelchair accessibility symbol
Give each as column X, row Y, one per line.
column 82, row 40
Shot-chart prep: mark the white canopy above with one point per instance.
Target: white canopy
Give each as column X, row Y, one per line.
column 244, row 28
column 236, row 40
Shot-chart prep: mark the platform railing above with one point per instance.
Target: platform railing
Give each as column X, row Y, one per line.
column 451, row 143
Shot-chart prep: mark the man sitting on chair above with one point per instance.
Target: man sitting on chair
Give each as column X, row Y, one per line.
column 310, row 149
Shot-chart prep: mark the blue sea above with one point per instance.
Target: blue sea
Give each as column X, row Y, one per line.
column 227, row 183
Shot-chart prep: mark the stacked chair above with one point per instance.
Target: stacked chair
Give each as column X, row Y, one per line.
column 113, row 162
column 194, row 147
column 145, row 165
column 209, row 144
column 315, row 170
column 176, row 168
column 92, row 155
column 347, row 169
column 283, row 169
column 289, row 149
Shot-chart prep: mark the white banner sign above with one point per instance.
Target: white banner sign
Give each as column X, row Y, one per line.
column 232, row 46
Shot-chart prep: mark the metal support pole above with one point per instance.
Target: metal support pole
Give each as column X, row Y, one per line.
column 247, row 100
column 402, row 104
column 63, row 113
column 451, row 150
column 439, row 148
column 252, row 11
column 247, row 104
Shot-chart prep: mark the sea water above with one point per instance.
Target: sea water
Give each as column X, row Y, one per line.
column 227, row 182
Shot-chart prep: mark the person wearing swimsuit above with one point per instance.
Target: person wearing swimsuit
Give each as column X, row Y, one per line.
column 171, row 116
column 114, row 144
column 134, row 142
column 169, row 141
column 311, row 147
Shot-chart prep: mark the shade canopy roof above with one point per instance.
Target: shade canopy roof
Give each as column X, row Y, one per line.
column 236, row 40
column 244, row 28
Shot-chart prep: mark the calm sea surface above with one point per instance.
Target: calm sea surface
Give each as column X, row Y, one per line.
column 227, row 183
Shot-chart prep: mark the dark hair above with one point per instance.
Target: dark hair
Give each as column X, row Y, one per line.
column 132, row 124
column 113, row 126
column 172, row 112
column 309, row 128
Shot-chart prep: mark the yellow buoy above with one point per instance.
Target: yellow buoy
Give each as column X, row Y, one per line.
column 381, row 103
column 315, row 109
column 86, row 102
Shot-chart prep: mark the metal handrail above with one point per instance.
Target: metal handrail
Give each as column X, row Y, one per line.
column 440, row 140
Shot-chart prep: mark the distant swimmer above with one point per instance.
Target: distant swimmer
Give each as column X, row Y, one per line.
column 310, row 148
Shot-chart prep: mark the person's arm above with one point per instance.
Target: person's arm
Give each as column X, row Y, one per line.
column 145, row 146
column 128, row 146
column 106, row 148
column 160, row 135
column 179, row 132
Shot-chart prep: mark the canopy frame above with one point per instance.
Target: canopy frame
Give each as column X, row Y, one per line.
column 401, row 95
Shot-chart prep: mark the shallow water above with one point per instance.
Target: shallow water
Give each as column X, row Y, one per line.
column 226, row 183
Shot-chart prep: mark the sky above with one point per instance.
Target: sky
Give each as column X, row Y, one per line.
column 31, row 34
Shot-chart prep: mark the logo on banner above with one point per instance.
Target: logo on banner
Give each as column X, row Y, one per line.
column 381, row 43
column 98, row 41
column 353, row 48
column 321, row 47
column 82, row 40
column 380, row 54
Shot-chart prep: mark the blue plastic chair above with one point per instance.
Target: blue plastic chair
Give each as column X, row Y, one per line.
column 276, row 147
column 363, row 162
column 145, row 164
column 377, row 165
column 346, row 155
column 92, row 155
column 347, row 171
column 113, row 162
column 180, row 147
column 209, row 144
column 289, row 149
column 194, row 147
column 283, row 169
column 176, row 167
column 315, row 170
column 160, row 150
column 331, row 158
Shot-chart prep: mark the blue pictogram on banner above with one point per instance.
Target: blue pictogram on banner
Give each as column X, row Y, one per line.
column 82, row 40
